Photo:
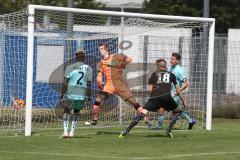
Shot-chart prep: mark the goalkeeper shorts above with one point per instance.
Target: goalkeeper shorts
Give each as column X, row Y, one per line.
column 118, row 87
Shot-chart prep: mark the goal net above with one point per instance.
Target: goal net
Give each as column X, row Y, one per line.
column 41, row 41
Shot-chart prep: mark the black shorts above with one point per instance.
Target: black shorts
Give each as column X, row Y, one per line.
column 166, row 102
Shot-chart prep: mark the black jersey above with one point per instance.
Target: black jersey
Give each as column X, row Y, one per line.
column 162, row 82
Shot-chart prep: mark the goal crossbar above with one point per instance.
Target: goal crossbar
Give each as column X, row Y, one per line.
column 119, row 14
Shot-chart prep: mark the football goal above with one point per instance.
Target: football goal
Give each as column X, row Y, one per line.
column 37, row 43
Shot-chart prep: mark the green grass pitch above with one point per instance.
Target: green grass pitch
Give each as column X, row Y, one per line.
column 222, row 143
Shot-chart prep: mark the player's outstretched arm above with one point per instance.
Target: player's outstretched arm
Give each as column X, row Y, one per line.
column 150, row 88
column 125, row 60
column 99, row 75
column 89, row 83
column 128, row 59
column 89, row 90
column 99, row 80
column 184, row 85
column 64, row 87
column 179, row 93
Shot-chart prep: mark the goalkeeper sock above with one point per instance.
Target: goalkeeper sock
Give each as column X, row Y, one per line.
column 186, row 116
column 160, row 120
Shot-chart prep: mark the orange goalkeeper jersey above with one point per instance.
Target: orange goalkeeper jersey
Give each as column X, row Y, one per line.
column 113, row 66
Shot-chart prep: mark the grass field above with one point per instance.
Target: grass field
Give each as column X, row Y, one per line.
column 222, row 143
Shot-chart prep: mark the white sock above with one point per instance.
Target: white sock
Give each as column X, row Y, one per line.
column 74, row 125
column 65, row 126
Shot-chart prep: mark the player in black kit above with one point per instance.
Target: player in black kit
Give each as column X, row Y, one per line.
column 159, row 86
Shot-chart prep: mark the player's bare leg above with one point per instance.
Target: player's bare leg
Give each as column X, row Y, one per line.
column 136, row 105
column 96, row 111
column 96, row 108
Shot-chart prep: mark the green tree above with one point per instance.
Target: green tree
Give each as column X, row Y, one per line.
column 8, row 6
column 225, row 12
column 88, row 4
column 173, row 7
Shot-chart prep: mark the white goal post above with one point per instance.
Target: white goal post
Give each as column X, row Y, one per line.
column 60, row 31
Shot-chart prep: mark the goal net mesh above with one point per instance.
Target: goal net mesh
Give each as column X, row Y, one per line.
column 58, row 35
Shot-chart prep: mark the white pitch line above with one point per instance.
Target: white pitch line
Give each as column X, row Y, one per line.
column 186, row 155
column 93, row 132
column 60, row 154
column 133, row 158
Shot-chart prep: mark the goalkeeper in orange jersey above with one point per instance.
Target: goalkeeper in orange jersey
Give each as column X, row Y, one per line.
column 112, row 66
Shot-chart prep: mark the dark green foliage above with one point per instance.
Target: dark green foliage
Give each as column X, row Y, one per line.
column 8, row 6
column 225, row 12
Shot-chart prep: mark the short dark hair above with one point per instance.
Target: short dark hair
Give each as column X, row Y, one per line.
column 176, row 55
column 161, row 60
column 105, row 46
column 80, row 55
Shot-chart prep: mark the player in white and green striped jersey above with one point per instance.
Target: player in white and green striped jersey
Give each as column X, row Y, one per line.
column 75, row 91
